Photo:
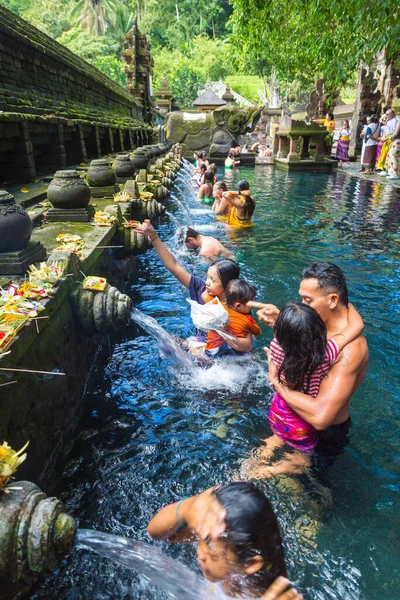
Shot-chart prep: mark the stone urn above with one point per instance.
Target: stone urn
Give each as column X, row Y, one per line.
column 123, row 166
column 68, row 190
column 15, row 224
column 148, row 151
column 100, row 173
column 35, row 534
column 139, row 159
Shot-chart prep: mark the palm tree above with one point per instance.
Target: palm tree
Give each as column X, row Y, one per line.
column 121, row 23
column 94, row 15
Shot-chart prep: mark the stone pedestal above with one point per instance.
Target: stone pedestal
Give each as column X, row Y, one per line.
column 74, row 215
column 293, row 155
column 106, row 191
column 282, row 152
column 17, row 262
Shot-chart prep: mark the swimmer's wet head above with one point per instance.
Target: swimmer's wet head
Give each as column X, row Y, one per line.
column 191, row 238
column 240, row 543
column 249, row 553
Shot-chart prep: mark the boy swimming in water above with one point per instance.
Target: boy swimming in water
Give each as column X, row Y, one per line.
column 240, row 328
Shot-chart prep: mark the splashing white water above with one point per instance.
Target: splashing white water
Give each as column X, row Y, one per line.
column 169, row 348
column 170, row 575
column 173, row 219
column 183, row 208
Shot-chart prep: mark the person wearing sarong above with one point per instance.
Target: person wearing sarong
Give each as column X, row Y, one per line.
column 342, row 148
column 241, row 206
column 370, row 143
column 382, row 124
column 392, row 163
column 391, row 122
column 330, row 125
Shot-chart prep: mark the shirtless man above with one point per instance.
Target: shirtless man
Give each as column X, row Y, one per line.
column 323, row 287
column 208, row 245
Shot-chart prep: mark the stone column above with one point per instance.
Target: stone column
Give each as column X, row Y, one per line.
column 58, row 157
column 282, row 152
column 82, row 143
column 22, row 163
column 121, row 139
column 132, row 139
column 293, row 155
column 98, row 142
column 304, row 149
column 110, row 135
column 319, row 154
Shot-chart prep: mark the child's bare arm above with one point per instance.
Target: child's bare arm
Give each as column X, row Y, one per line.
column 240, row 344
column 352, row 331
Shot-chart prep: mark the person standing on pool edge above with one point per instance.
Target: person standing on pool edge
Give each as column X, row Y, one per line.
column 323, row 287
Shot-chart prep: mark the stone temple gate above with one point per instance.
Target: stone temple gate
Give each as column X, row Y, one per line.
column 56, row 109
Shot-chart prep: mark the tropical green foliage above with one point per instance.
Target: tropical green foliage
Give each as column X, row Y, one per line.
column 93, row 15
column 185, row 85
column 50, row 16
column 246, row 85
column 87, row 45
column 305, row 39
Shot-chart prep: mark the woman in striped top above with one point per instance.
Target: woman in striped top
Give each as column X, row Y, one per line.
column 303, row 357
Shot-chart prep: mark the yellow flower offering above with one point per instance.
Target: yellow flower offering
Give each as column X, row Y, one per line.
column 122, row 197
column 10, row 461
column 97, row 284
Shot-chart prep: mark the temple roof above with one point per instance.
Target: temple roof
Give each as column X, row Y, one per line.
column 208, row 98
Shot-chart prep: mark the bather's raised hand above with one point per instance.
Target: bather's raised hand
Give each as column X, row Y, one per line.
column 146, row 228
column 267, row 314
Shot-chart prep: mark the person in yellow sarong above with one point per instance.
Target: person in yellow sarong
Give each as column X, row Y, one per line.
column 241, row 206
column 386, row 139
column 329, row 123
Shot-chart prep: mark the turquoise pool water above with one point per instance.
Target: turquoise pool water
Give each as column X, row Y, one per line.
column 150, row 436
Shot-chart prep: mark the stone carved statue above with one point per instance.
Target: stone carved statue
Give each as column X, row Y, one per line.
column 215, row 131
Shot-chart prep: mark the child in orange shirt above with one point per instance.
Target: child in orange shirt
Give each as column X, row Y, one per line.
column 241, row 326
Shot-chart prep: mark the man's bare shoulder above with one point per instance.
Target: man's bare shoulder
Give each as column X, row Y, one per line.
column 355, row 355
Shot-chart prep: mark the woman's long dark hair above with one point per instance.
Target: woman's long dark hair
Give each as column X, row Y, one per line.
column 301, row 333
column 250, row 203
column 209, row 176
column 252, row 529
column 227, row 269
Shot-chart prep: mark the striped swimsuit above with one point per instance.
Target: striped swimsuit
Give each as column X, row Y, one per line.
column 284, row 421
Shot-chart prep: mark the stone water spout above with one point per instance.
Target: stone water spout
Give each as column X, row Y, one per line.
column 35, row 534
column 101, row 312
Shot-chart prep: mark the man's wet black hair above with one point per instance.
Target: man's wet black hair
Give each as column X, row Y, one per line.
column 239, row 290
column 252, row 530
column 191, row 233
column 330, row 278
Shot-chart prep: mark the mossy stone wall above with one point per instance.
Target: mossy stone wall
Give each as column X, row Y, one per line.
column 40, row 76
